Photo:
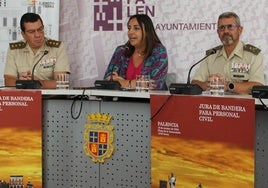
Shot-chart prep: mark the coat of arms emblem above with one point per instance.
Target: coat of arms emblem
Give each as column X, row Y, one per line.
column 98, row 137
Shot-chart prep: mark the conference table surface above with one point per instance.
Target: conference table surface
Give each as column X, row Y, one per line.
column 125, row 94
column 132, row 94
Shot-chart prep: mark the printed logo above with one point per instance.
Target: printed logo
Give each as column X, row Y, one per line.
column 108, row 15
column 98, row 137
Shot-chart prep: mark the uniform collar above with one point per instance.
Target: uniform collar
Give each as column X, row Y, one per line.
column 40, row 50
column 238, row 51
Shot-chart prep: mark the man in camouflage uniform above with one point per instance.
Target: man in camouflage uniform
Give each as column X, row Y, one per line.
column 49, row 56
column 241, row 65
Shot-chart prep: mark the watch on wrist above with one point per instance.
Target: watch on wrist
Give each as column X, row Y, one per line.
column 230, row 86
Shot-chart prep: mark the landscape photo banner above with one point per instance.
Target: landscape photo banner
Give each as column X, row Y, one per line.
column 21, row 138
column 202, row 141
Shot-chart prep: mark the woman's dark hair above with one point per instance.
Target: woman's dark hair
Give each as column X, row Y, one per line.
column 29, row 17
column 151, row 37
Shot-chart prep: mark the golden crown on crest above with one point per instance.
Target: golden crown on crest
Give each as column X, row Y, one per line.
column 99, row 118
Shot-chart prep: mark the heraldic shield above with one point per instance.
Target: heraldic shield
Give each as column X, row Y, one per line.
column 98, row 137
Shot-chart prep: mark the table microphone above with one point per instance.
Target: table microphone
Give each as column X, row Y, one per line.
column 108, row 84
column 188, row 88
column 30, row 84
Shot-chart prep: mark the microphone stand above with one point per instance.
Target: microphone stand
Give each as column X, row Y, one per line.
column 188, row 88
column 108, row 84
column 30, row 84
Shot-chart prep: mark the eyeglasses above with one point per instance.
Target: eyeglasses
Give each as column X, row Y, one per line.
column 39, row 30
column 229, row 27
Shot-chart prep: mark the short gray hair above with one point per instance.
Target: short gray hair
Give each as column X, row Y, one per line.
column 229, row 15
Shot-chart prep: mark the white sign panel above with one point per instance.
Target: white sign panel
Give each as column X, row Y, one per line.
column 10, row 14
column 92, row 29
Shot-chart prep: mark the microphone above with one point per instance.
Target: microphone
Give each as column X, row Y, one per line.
column 188, row 88
column 111, row 74
column 212, row 51
column 108, row 84
column 111, row 84
column 30, row 84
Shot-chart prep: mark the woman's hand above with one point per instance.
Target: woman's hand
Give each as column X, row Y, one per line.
column 123, row 82
column 114, row 76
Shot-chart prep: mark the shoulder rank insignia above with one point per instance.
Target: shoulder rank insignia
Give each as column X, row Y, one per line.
column 252, row 49
column 215, row 48
column 53, row 43
column 17, row 45
column 98, row 137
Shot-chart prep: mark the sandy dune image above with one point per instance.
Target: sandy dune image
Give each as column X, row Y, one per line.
column 194, row 162
column 21, row 154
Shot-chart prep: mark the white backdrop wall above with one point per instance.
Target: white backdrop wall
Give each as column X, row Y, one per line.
column 91, row 29
column 90, row 51
column 10, row 14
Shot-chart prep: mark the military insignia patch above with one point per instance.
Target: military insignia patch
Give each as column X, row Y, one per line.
column 17, row 45
column 98, row 137
column 53, row 43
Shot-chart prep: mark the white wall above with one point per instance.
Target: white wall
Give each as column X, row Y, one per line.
column 10, row 14
column 90, row 51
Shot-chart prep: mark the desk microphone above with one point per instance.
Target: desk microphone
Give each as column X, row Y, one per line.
column 108, row 84
column 111, row 74
column 30, row 84
column 188, row 88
